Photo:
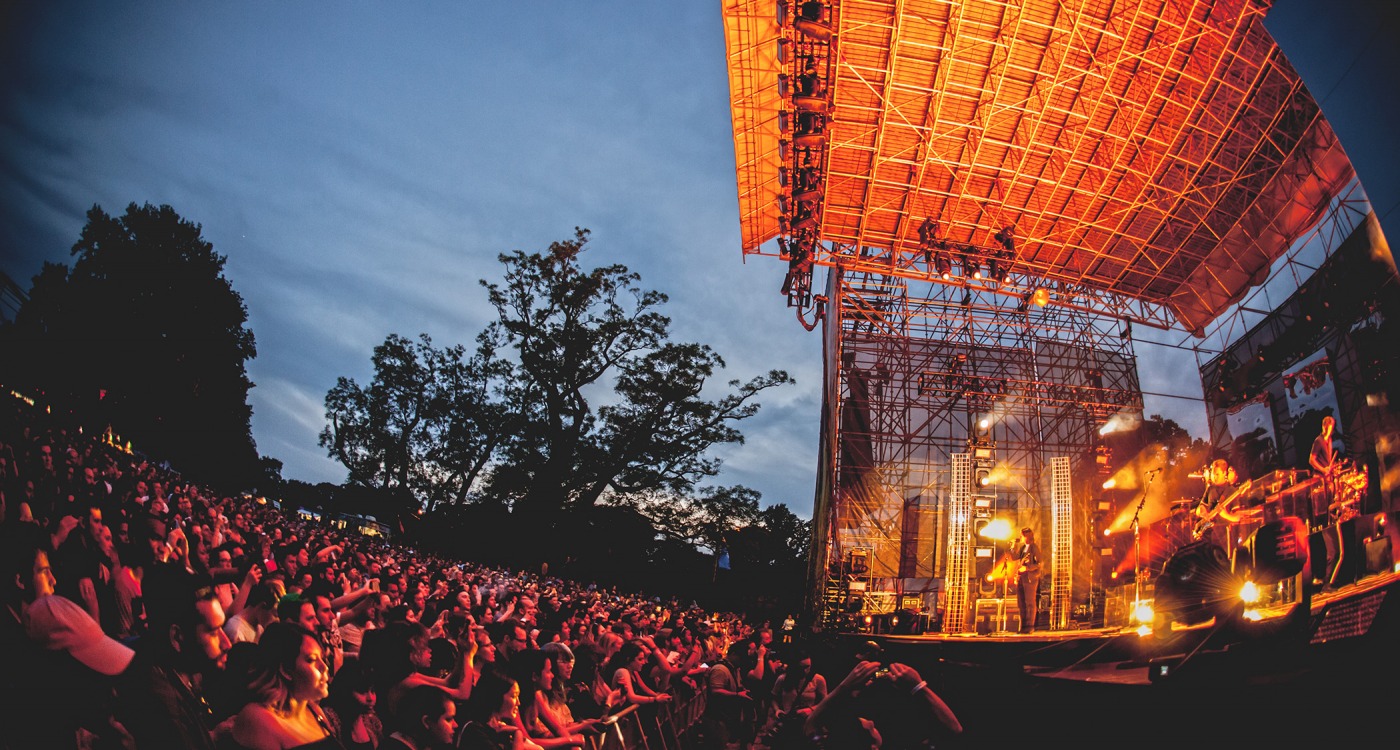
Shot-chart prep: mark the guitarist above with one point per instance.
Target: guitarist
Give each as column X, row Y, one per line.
column 1221, row 489
column 1326, row 462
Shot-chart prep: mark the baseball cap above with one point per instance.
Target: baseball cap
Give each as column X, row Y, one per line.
column 58, row 624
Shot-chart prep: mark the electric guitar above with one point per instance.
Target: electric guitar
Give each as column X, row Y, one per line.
column 1208, row 520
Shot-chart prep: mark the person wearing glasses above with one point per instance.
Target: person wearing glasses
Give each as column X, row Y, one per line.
column 511, row 638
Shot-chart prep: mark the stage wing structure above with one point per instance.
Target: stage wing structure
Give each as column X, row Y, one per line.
column 1161, row 154
column 1000, row 191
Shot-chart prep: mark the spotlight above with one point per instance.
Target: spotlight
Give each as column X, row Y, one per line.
column 1041, row 296
column 944, row 267
column 970, row 266
column 984, row 477
column 999, row 270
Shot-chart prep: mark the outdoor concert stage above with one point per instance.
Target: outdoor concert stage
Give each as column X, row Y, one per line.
column 1285, row 678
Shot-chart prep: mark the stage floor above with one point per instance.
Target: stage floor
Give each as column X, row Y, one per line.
column 1287, row 679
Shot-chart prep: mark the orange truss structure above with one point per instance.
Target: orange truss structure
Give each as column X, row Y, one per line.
column 1160, row 152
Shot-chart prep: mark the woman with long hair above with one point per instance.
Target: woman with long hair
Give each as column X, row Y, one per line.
column 560, row 697
column 624, row 671
column 493, row 717
column 534, row 672
column 290, row 683
column 350, row 708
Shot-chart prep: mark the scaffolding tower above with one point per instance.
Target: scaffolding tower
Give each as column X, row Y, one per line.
column 919, row 376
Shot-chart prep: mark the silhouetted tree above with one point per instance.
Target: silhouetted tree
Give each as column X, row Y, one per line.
column 146, row 335
column 574, row 332
column 426, row 424
column 576, row 413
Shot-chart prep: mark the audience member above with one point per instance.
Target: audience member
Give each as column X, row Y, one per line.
column 161, row 695
column 729, row 708
column 429, row 721
column 291, row 681
column 558, row 698
column 57, row 662
column 534, row 672
column 493, row 717
column 257, row 613
column 797, row 691
column 350, row 710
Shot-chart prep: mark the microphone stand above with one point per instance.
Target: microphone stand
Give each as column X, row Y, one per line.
column 1137, row 540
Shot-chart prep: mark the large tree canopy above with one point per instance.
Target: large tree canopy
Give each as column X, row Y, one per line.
column 575, row 411
column 578, row 333
column 147, row 336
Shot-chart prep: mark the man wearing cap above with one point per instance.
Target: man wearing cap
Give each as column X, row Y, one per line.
column 56, row 660
column 1027, row 556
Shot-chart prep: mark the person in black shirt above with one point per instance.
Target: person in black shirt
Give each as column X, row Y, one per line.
column 1027, row 555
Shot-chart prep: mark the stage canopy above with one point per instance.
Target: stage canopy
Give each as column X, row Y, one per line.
column 1160, row 151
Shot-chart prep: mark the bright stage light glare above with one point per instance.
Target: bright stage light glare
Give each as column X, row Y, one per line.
column 998, row 529
column 1249, row 593
column 1110, row 484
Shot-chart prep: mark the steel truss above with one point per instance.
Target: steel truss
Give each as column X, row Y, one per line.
column 913, row 371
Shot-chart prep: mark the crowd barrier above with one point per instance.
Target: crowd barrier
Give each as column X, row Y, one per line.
column 663, row 726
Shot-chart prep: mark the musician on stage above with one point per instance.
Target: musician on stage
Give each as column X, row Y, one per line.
column 1214, row 512
column 1027, row 555
column 1325, row 461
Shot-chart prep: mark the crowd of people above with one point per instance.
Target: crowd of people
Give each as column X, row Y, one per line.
column 144, row 610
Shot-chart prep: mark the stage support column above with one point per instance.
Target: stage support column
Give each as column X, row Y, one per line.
column 1061, row 543
column 955, row 608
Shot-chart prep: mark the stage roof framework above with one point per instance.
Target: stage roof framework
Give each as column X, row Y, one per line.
column 1156, row 157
